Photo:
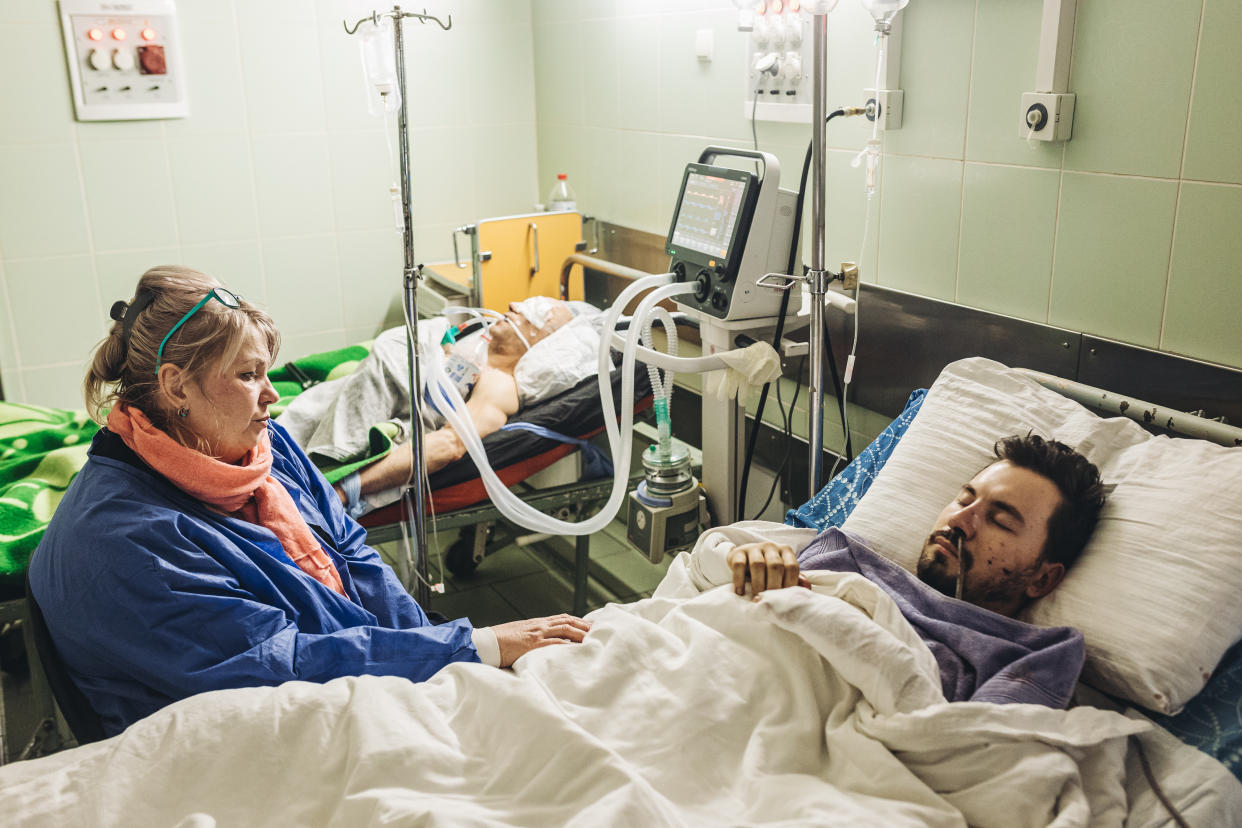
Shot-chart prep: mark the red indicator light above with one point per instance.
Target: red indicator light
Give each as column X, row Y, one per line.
column 95, row 34
column 794, row 6
column 763, row 7
column 776, row 6
column 148, row 34
column 118, row 34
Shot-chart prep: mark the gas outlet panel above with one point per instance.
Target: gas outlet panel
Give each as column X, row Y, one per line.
column 124, row 59
column 779, row 58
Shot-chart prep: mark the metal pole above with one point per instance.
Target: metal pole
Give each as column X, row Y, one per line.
column 414, row 488
column 817, row 276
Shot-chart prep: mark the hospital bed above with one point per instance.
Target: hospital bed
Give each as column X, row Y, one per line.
column 702, row 708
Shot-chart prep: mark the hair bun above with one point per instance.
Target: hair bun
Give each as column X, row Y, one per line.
column 118, row 310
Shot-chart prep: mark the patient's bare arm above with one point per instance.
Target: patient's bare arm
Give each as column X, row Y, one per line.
column 493, row 399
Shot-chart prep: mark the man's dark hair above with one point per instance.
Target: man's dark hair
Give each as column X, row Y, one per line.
column 1078, row 480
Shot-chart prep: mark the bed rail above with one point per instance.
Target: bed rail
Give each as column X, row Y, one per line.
column 1145, row 413
column 601, row 265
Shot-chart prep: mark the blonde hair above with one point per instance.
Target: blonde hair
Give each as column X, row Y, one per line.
column 123, row 373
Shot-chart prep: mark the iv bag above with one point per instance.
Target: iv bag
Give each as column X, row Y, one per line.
column 379, row 67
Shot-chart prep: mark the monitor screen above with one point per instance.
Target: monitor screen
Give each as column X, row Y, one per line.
column 707, row 218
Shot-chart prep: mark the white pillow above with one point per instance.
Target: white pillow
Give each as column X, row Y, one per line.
column 1156, row 591
column 562, row 360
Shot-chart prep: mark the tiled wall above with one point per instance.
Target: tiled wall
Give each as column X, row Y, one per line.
column 277, row 183
column 1129, row 231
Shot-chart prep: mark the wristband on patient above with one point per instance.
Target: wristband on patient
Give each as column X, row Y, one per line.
column 351, row 486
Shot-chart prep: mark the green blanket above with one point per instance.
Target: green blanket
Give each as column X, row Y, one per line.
column 42, row 449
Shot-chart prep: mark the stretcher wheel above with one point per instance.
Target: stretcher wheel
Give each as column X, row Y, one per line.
column 459, row 557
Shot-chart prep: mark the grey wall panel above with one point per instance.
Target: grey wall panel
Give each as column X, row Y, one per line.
column 905, row 341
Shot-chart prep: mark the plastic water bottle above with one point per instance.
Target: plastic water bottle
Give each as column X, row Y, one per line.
column 562, row 198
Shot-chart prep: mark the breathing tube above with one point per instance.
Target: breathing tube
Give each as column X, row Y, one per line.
column 438, row 386
column 662, row 389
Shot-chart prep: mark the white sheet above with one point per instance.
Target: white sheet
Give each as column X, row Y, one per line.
column 684, row 709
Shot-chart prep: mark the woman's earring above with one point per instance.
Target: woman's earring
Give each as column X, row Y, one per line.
column 183, row 412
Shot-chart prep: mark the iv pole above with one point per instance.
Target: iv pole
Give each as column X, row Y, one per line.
column 817, row 275
column 413, row 496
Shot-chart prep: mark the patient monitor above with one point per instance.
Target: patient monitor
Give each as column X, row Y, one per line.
column 731, row 228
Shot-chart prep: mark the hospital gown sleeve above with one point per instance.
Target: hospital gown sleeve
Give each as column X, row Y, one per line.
column 378, row 587
column 181, row 623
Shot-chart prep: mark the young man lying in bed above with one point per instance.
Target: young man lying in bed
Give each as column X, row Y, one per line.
column 332, row 420
column 1006, row 540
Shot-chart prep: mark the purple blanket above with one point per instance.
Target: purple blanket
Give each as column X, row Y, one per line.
column 983, row 656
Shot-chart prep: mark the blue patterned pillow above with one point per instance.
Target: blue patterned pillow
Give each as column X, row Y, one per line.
column 1212, row 720
column 833, row 503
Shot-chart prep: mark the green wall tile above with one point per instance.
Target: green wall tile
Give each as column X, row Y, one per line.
column 1112, row 256
column 935, row 74
column 1008, row 224
column 1131, row 72
column 1213, row 142
column 919, row 210
column 1205, row 288
column 1005, row 58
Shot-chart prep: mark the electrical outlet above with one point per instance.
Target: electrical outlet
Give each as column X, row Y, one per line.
column 1047, row 116
column 889, row 105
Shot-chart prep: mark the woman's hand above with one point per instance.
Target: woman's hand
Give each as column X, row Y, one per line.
column 766, row 565
column 517, row 638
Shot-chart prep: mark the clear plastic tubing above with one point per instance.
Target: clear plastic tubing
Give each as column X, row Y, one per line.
column 508, row 503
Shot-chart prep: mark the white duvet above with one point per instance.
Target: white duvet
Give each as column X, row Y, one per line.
column 685, row 709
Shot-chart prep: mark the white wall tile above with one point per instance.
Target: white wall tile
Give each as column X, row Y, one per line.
column 129, row 194
column 33, row 76
column 214, row 188
column 213, row 69
column 502, row 89
column 56, row 309
column 638, row 84
column 41, row 207
column 371, row 273
column 28, row 11
column 8, row 337
column 55, row 386
column 293, row 181
column 239, row 265
column 505, row 179
column 362, row 172
column 118, row 273
column 304, row 288
column 637, row 182
column 439, row 69
column 443, row 174
column 698, row 98
column 558, row 75
column 284, row 91
column 294, row 347
column 345, row 88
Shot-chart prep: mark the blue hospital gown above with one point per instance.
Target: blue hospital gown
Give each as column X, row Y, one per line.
column 150, row 596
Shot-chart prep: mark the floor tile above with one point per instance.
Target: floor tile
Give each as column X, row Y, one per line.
column 484, row 606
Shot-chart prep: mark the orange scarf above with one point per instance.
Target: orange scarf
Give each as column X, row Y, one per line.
column 248, row 488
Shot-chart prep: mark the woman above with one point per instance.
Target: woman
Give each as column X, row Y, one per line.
column 198, row 549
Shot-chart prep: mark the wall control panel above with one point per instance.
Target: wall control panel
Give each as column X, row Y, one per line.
column 778, row 61
column 124, row 59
